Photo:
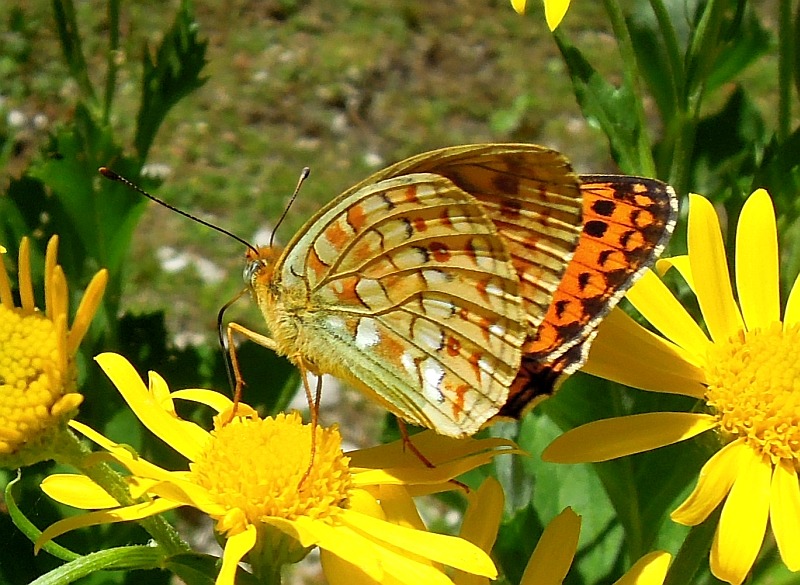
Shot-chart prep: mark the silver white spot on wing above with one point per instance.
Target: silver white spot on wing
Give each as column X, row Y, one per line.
column 432, row 376
column 367, row 334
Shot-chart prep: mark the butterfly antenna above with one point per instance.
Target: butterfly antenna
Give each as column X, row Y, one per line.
column 303, row 176
column 109, row 174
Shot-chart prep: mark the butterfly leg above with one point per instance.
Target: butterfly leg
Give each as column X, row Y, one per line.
column 258, row 338
column 408, row 443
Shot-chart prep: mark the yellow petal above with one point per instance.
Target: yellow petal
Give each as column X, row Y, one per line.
column 124, row 455
column 92, row 297
column 552, row 557
column 185, row 437
column 743, row 521
column 396, row 506
column 554, row 11
column 658, row 305
column 483, row 515
column 616, row 437
column 438, row 449
column 419, row 474
column 784, row 513
column 681, row 264
column 710, row 271
column 792, row 315
column 757, row 262
column 713, row 484
column 77, row 491
column 626, row 352
column 27, row 301
column 448, row 550
column 211, row 398
column 397, row 569
column 481, row 523
column 135, row 512
column 6, row 298
column 651, row 569
column 339, row 572
column 519, row 5
column 235, row 548
column 341, row 541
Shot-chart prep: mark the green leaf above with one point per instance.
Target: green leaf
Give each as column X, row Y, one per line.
column 168, row 77
column 639, row 505
column 28, row 528
column 745, row 42
column 101, row 215
column 607, row 107
column 125, row 557
column 68, row 35
column 653, row 65
column 727, row 147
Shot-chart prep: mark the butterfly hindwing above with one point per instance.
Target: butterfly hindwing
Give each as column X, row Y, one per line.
column 627, row 222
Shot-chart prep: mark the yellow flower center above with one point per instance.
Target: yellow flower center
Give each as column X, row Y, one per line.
column 754, row 388
column 261, row 468
column 33, row 382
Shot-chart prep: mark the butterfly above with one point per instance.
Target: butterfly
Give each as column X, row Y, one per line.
column 459, row 284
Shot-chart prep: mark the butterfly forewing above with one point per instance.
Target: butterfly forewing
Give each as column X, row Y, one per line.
column 404, row 288
column 531, row 195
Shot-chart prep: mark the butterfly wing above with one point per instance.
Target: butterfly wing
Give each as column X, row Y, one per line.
column 627, row 222
column 404, row 289
column 531, row 195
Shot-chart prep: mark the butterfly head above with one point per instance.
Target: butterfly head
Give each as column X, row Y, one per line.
column 259, row 264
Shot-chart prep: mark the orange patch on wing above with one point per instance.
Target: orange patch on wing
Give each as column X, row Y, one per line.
column 458, row 399
column 410, row 195
column 315, row 264
column 336, row 235
column 441, row 253
column 345, row 289
column 356, row 217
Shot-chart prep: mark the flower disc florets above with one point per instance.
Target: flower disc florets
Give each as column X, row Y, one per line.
column 754, row 389
column 264, row 468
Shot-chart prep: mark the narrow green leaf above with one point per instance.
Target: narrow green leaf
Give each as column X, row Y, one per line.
column 124, row 557
column 169, row 76
column 28, row 528
column 68, row 35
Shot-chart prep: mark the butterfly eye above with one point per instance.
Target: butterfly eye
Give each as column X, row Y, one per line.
column 250, row 271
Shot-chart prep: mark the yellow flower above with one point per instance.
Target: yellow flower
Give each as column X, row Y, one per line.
column 553, row 555
column 554, row 10
column 37, row 350
column 555, row 551
column 747, row 371
column 257, row 479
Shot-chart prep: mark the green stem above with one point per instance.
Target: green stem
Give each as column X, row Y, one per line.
column 677, row 75
column 630, row 73
column 785, row 67
column 67, row 25
column 111, row 61
column 72, row 451
column 701, row 54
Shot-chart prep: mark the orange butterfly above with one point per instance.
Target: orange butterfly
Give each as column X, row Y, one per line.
column 461, row 283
